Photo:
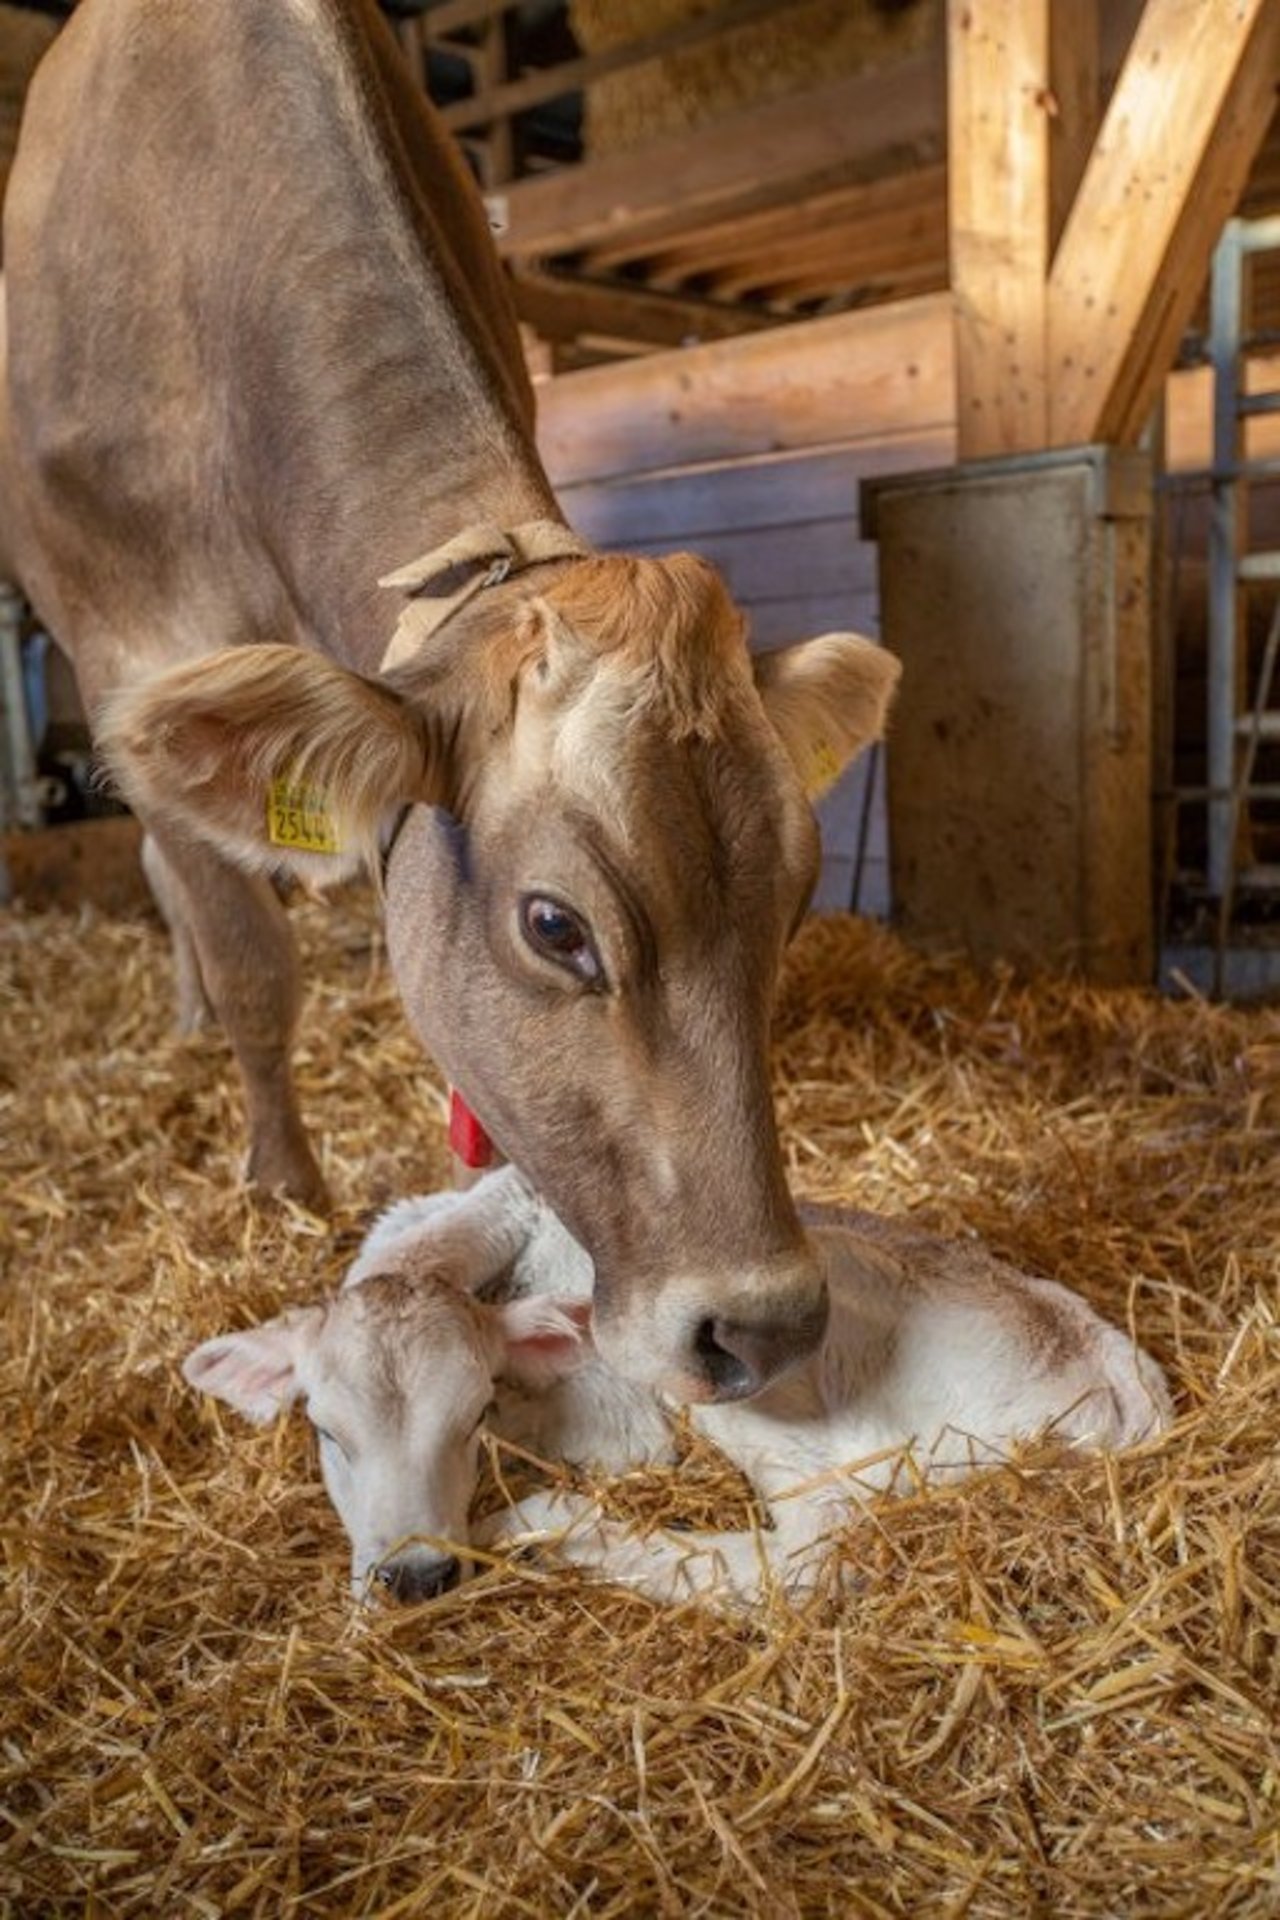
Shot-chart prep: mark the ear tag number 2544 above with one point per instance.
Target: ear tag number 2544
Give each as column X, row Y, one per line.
column 298, row 817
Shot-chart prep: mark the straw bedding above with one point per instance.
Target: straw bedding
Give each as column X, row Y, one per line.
column 1053, row 1691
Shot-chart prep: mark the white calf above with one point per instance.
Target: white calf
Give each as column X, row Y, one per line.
column 937, row 1358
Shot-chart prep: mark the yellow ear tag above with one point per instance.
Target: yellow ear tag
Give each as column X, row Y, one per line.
column 824, row 764
column 298, row 817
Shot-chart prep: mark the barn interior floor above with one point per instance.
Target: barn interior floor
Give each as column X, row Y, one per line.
column 1050, row 1691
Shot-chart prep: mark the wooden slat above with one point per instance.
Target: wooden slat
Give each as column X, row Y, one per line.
column 566, row 309
column 998, row 192
column 843, row 256
column 449, row 16
column 570, row 76
column 854, row 287
column 863, row 375
column 921, row 193
column 1187, row 116
column 777, row 623
column 762, row 566
column 767, row 491
column 862, row 127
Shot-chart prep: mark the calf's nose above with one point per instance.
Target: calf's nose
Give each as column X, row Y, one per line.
column 411, row 1577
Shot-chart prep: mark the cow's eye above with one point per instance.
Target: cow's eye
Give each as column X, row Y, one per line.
column 557, row 932
column 330, row 1440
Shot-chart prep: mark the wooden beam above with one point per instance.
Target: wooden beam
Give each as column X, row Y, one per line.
column 844, row 254
column 450, row 16
column 1188, row 114
column 853, row 285
column 1075, row 101
column 879, row 381
column 570, row 76
column 562, row 309
column 862, row 375
column 998, row 210
column 861, row 127
column 905, row 198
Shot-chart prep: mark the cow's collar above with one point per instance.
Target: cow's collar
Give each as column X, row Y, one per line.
column 442, row 582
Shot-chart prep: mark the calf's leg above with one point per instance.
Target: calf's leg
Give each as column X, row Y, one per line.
column 727, row 1570
column 240, row 961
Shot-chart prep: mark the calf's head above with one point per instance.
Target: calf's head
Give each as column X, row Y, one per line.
column 396, row 1376
column 601, row 836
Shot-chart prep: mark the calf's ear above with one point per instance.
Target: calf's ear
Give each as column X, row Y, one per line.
column 827, row 698
column 542, row 1339
column 255, row 1371
column 278, row 757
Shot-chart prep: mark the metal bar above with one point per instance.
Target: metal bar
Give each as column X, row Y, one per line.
column 1260, row 236
column 1191, row 479
column 19, row 785
column 1254, row 732
column 1224, row 550
column 1260, row 403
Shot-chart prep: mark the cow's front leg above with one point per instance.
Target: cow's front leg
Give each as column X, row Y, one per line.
column 723, row 1569
column 248, row 972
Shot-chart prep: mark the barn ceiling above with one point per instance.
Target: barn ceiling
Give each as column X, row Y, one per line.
column 729, row 213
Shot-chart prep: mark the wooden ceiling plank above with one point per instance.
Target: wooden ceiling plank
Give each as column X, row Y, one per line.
column 905, row 199
column 450, row 16
column 852, row 292
column 563, row 309
column 1182, row 128
column 863, row 126
column 998, row 214
column 846, row 254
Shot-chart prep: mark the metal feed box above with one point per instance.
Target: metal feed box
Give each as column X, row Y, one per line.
column 1017, row 593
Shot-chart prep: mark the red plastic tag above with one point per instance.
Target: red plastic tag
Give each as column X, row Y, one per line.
column 467, row 1137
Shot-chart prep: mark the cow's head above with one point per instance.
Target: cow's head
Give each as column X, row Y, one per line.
column 396, row 1375
column 601, row 838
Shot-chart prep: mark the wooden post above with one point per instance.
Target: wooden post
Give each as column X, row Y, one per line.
column 1074, row 104
column 1187, row 116
column 998, row 211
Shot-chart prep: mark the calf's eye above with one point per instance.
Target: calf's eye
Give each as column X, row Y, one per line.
column 560, row 935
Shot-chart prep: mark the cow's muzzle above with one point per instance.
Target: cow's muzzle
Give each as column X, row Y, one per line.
column 703, row 1342
column 738, row 1358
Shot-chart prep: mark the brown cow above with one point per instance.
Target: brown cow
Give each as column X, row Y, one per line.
column 259, row 357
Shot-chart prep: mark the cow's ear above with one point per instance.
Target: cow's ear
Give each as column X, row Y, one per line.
column 277, row 756
column 542, row 1339
column 827, row 698
column 255, row 1371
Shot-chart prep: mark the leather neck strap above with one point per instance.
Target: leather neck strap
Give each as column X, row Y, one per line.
column 441, row 583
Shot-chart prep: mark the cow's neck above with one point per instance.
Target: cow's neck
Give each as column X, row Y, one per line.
column 401, row 410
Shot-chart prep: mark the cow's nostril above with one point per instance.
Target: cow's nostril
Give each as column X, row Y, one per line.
column 726, row 1367
column 412, row 1578
column 740, row 1357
